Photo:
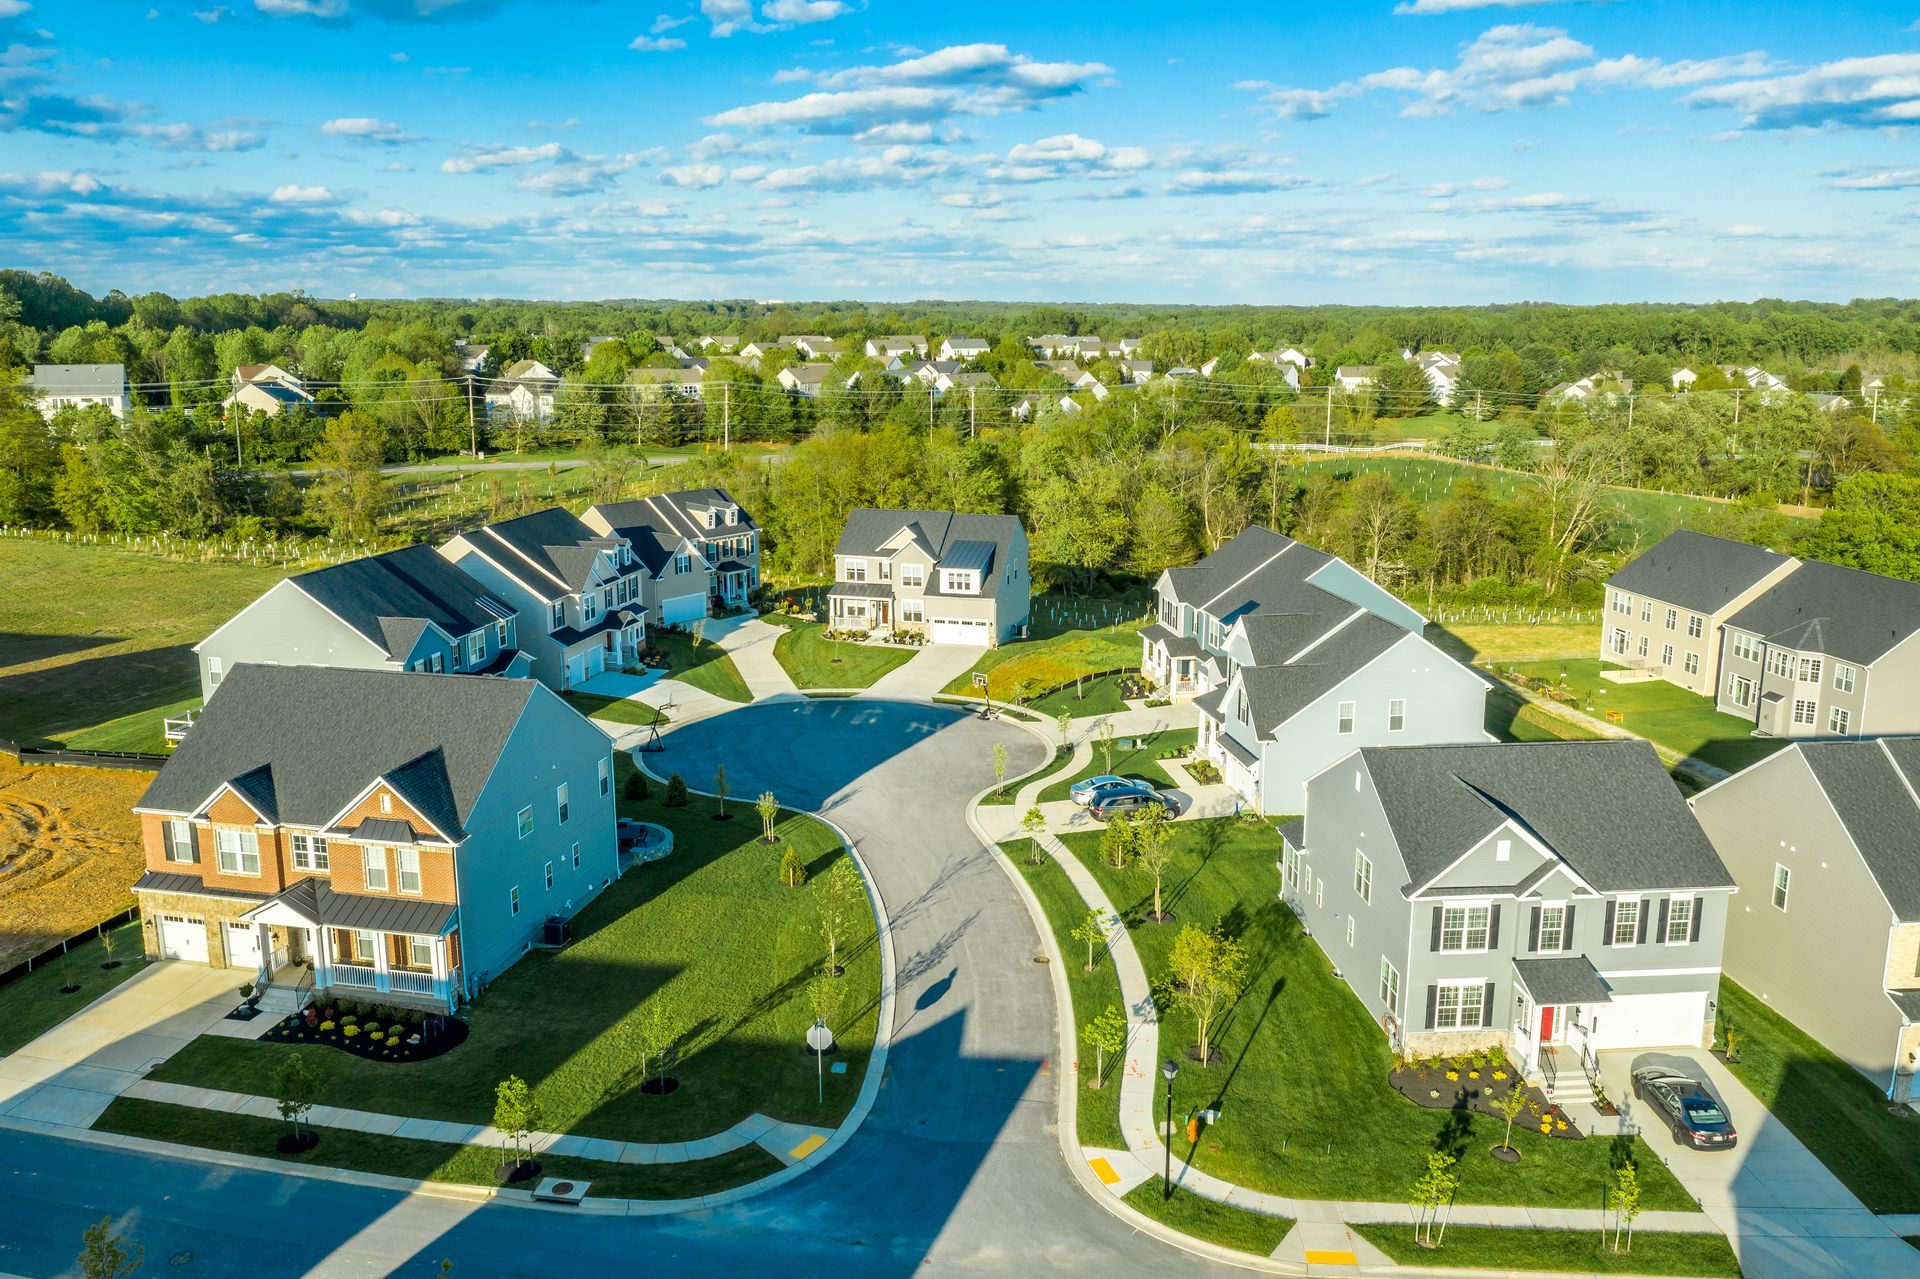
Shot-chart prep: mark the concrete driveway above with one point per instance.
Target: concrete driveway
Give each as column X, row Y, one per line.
column 1784, row 1213
column 931, row 670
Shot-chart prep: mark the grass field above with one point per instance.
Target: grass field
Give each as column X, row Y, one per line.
column 1060, row 757
column 815, row 661
column 69, row 851
column 620, row 710
column 1512, row 719
column 427, row 1160
column 1302, row 1090
column 1217, row 1223
column 1827, row 1104
column 1576, row 1251
column 708, row 934
column 1129, row 761
column 1057, row 654
column 1095, row 697
column 90, row 635
column 33, row 1003
column 701, row 664
column 1658, row 711
column 1516, row 642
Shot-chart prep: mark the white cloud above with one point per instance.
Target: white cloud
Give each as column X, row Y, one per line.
column 893, row 167
column 1068, row 155
column 13, row 8
column 302, row 8
column 1231, row 182
column 898, row 131
column 206, row 17
column 1458, row 6
column 694, row 177
column 728, row 16
column 480, row 159
column 291, row 194
column 367, row 129
column 52, row 183
column 667, row 22
column 802, row 12
column 1878, row 92
column 1873, row 179
column 1447, row 190
column 656, row 44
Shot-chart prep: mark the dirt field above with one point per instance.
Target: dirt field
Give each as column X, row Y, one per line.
column 69, row 851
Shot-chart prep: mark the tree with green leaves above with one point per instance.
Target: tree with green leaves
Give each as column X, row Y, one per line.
column 516, row 1113
column 841, row 896
column 1508, row 1106
column 1103, row 733
column 793, row 870
column 1116, row 841
column 1034, row 823
column 769, row 809
column 1091, row 930
column 348, row 494
column 1105, row 1033
column 654, row 1037
column 296, row 1088
column 1207, row 971
column 1153, row 853
column 999, row 768
column 1063, row 724
column 825, row 997
column 1623, row 1197
column 676, row 796
column 104, row 1253
column 1431, row 1194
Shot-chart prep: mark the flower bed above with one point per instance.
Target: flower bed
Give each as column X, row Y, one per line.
column 1473, row 1082
column 378, row 1032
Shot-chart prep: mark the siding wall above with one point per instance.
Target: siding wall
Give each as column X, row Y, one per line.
column 288, row 627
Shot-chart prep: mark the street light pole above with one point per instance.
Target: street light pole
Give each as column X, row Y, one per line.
column 1169, row 1070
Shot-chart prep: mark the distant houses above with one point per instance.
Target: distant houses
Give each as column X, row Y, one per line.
column 57, row 386
column 523, row 394
column 266, row 388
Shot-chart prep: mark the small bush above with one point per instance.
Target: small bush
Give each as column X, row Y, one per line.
column 636, row 787
column 676, row 796
column 793, row 871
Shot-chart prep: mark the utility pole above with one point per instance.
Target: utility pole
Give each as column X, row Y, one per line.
column 473, row 432
column 1629, row 410
column 973, row 420
column 726, row 417
column 1329, row 440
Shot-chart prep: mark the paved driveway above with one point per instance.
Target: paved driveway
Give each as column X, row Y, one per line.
column 1785, row 1214
column 931, row 669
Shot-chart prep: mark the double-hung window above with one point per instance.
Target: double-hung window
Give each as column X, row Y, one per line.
column 1666, row 655
column 549, row 875
column 1805, row 710
column 309, row 852
column 1346, row 717
column 1838, row 721
column 1363, row 877
column 683, row 563
column 1623, row 603
column 855, row 571
column 886, row 570
column 1646, row 610
column 513, row 900
column 239, row 851
column 590, row 606
column 1809, row 670
column 560, row 802
column 1626, row 922
column 1691, row 664
column 1673, row 618
column 419, row 953
column 1457, row 1005
column 1696, row 625
column 1843, row 677
column 1782, row 881
column 606, row 776
column 363, row 947
column 1553, row 928
column 525, row 821
column 956, row 582
column 1396, row 714
column 1465, row 928
column 1780, row 663
column 1679, row 920
column 913, row 575
column 179, row 840
column 1745, row 647
column 476, row 647
column 556, row 615
column 1389, row 987
column 376, row 861
column 408, row 860
column 1642, row 648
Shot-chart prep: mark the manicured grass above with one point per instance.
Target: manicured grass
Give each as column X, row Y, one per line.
column 1828, row 1105
column 1098, row 1109
column 1485, row 642
column 1208, row 1219
column 1129, row 761
column 1060, row 651
column 708, row 933
column 143, row 732
column 427, row 1160
column 702, row 664
column 620, row 710
column 817, row 662
column 1096, row 697
column 1513, row 719
column 1581, row 1251
column 1060, row 757
column 1658, row 711
column 90, row 635
column 33, row 1004
column 1302, row 1091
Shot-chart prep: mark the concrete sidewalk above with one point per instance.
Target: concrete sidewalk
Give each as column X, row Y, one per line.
column 749, row 642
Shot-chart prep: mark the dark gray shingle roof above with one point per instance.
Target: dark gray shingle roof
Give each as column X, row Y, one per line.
column 1257, row 571
column 1871, row 785
column 1275, row 694
column 941, row 533
column 556, row 543
column 656, row 525
column 1607, row 808
column 1696, row 571
column 1846, row 613
column 1563, row 979
column 311, row 738
column 389, row 598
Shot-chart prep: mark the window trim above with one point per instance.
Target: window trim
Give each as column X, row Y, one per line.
column 524, row 821
column 1389, row 986
column 1363, row 876
column 175, row 828
column 563, row 802
column 1461, row 985
column 1396, row 714
column 1675, row 920
column 1466, row 910
column 400, row 872
column 369, row 856
column 1839, row 720
column 1345, row 719
column 247, row 845
column 1619, row 905
column 1559, row 929
column 513, row 900
column 1781, row 894
column 606, row 776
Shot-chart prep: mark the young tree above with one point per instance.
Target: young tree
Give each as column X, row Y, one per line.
column 655, row 1038
column 1116, row 841
column 348, row 493
column 824, row 997
column 1104, row 733
column 1153, row 852
column 1093, row 931
column 1623, row 1196
column 842, row 896
column 636, row 785
column 103, row 1255
column 720, row 786
column 793, row 871
column 1431, row 1193
column 1508, row 1106
column 1063, row 724
column 1034, row 822
column 108, row 944
column 676, row 796
column 999, row 768
column 1105, row 1033
column 769, row 809
column 296, row 1087
column 1208, row 971
column 516, row 1114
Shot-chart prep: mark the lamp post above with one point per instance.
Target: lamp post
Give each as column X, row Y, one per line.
column 1168, row 1070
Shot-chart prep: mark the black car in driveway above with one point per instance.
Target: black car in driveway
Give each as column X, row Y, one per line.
column 1695, row 1115
column 1129, row 799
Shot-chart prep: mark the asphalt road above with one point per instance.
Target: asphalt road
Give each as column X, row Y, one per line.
column 957, row 1171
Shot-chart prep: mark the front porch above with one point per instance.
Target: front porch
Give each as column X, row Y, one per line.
column 1173, row 663
column 860, row 606
column 731, row 583
column 404, row 952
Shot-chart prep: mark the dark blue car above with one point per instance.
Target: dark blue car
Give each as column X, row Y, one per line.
column 1695, row 1115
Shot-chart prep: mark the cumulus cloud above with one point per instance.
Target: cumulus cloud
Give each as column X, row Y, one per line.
column 802, row 12
column 1068, row 155
column 368, row 129
column 1231, row 182
column 294, row 194
column 302, row 8
column 1878, row 92
column 480, row 159
column 694, row 177
column 656, row 44
column 1872, row 179
column 892, row 167
column 728, row 16
column 1447, row 190
column 13, row 8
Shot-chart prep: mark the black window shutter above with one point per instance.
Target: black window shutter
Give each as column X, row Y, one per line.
column 1433, row 1005
column 1486, row 1008
column 1607, row 937
column 1493, row 927
column 1566, row 929
column 1642, row 939
column 1666, row 905
column 1699, row 908
column 1533, row 931
column 1436, row 944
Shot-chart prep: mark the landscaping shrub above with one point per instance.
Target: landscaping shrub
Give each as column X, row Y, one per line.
column 636, row 787
column 676, row 796
column 793, row 871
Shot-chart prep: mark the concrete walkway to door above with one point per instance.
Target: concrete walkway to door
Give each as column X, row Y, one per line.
column 749, row 642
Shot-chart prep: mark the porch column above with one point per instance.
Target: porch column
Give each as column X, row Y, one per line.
column 382, row 970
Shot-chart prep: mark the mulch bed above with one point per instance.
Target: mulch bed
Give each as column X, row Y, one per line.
column 429, row 1037
column 1432, row 1090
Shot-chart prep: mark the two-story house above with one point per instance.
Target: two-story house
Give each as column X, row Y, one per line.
column 56, row 386
column 700, row 549
column 1296, row 659
column 962, row 349
column 405, row 835
column 523, row 394
column 1825, row 652
column 577, row 593
column 1664, row 610
column 266, row 388
column 1824, row 840
column 957, row 579
column 407, row 610
column 1547, row 897
column 894, row 346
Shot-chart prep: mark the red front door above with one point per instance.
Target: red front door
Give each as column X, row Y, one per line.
column 1546, row 1024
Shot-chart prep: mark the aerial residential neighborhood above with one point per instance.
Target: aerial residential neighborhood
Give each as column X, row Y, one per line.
column 788, row 637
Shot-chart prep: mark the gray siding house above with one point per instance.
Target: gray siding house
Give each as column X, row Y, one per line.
column 1665, row 610
column 56, row 386
column 701, row 550
column 576, row 592
column 957, row 579
column 407, row 610
column 1824, row 841
column 1557, row 899
column 1297, row 660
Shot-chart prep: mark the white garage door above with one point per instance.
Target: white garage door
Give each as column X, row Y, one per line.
column 1649, row 1021
column 183, row 937
column 682, row 608
column 958, row 630
column 576, row 671
column 243, row 945
column 596, row 661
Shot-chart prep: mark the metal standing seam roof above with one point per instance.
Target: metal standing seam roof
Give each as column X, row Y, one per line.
column 862, row 590
column 317, row 901
column 1696, row 571
column 383, row 830
column 1871, row 785
column 162, row 881
column 1846, row 613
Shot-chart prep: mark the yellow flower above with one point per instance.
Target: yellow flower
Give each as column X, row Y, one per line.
column 1453, row 1075
column 1499, row 1074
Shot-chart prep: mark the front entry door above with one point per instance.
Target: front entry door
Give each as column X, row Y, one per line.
column 1546, row 1024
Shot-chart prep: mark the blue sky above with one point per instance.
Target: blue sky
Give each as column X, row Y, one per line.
column 1391, row 151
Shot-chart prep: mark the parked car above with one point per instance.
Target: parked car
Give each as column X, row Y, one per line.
column 1129, row 799
column 1083, row 792
column 1694, row 1114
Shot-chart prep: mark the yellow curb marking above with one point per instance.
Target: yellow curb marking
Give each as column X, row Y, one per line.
column 807, row 1147
column 1319, row 1257
column 1103, row 1170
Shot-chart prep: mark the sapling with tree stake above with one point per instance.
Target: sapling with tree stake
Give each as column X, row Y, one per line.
column 769, row 809
column 108, row 944
column 1104, row 732
column 516, row 1114
column 654, row 1039
column 296, row 1087
column 1034, row 822
column 1064, row 723
column 1116, row 841
column 999, row 768
column 1208, row 970
column 1093, row 931
column 793, row 871
column 1105, row 1033
column 720, row 788
column 1431, row 1193
column 1623, row 1196
column 1153, row 852
column 841, row 896
column 1508, row 1106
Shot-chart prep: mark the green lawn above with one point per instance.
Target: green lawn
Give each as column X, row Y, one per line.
column 702, row 664
column 33, row 1004
column 817, row 662
column 1062, row 649
column 1128, row 760
column 1207, row 1219
column 1828, row 1105
column 1658, row 711
column 1303, row 1098
column 1096, row 697
column 427, row 1160
column 1098, row 1112
column 1060, row 757
column 92, row 637
column 621, row 710
column 709, row 934
column 143, row 732
column 1497, row 1248
column 1513, row 719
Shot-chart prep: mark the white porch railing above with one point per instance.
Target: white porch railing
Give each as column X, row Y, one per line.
column 353, row 975
column 404, row 982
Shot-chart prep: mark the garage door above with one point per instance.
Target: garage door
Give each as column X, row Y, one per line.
column 1649, row 1021
column 682, row 609
column 183, row 937
column 576, row 671
column 243, row 945
column 596, row 661
column 956, row 630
